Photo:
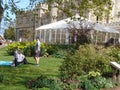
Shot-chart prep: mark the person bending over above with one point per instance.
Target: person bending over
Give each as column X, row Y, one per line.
column 19, row 58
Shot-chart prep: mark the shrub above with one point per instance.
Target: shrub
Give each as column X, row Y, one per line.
column 52, row 49
column 87, row 58
column 60, row 54
column 44, row 82
column 21, row 46
column 28, row 48
column 115, row 53
column 95, row 83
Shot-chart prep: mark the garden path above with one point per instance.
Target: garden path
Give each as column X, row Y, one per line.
column 116, row 88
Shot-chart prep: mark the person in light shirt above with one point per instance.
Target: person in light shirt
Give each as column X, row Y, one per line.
column 19, row 58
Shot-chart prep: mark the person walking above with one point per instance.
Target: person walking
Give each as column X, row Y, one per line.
column 37, row 51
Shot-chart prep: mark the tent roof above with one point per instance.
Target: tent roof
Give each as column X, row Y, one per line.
column 68, row 23
column 55, row 25
column 102, row 28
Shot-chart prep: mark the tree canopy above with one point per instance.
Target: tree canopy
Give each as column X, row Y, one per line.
column 1, row 10
column 9, row 33
column 99, row 8
column 68, row 7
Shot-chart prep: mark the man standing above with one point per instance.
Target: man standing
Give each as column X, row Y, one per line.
column 37, row 51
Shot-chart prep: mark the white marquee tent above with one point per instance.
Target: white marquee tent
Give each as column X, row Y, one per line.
column 46, row 31
column 64, row 24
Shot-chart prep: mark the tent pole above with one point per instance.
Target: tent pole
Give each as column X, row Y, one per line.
column 50, row 36
column 119, row 38
column 44, row 36
column 96, row 37
column 114, row 38
column 67, row 37
column 60, row 35
column 55, row 35
column 91, row 35
column 40, row 34
column 106, row 37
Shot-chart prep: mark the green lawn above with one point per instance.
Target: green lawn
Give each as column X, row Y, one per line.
column 16, row 78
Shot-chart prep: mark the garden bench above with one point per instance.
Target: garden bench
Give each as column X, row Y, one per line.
column 116, row 67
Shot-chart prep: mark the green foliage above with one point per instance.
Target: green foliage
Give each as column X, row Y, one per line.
column 60, row 50
column 98, row 8
column 44, row 81
column 1, row 77
column 96, row 83
column 52, row 49
column 87, row 85
column 70, row 86
column 93, row 74
column 43, row 50
column 115, row 53
column 60, row 54
column 9, row 33
column 86, row 59
column 16, row 78
column 1, row 10
column 49, row 66
column 21, row 46
column 88, row 82
column 27, row 48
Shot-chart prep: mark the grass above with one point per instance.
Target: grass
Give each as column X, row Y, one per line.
column 16, row 78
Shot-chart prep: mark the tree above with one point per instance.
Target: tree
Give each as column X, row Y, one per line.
column 99, row 8
column 1, row 10
column 8, row 6
column 9, row 33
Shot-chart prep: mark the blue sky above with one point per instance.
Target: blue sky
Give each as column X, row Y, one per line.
column 21, row 4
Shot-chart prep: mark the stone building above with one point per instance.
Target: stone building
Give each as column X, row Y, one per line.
column 27, row 21
column 25, row 26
